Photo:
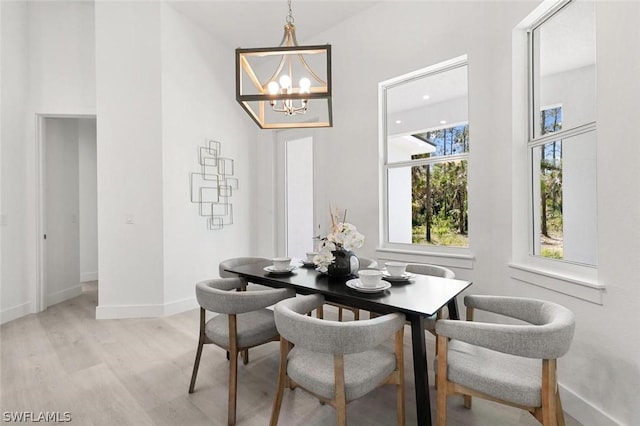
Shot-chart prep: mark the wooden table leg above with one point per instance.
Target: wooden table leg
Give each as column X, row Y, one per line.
column 423, row 403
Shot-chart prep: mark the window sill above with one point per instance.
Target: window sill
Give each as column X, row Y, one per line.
column 446, row 259
column 584, row 289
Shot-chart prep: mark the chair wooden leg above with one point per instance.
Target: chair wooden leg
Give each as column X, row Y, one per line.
column 233, row 370
column 339, row 314
column 441, row 407
column 356, row 314
column 559, row 410
column 233, row 388
column 320, row 312
column 201, row 339
column 467, row 401
column 549, row 392
column 341, row 397
column 196, row 364
column 282, row 381
column 467, row 398
column 245, row 356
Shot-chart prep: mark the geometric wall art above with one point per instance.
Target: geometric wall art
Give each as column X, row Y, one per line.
column 212, row 187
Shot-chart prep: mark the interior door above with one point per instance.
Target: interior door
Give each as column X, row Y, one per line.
column 296, row 193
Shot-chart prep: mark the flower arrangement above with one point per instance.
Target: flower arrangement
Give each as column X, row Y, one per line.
column 343, row 236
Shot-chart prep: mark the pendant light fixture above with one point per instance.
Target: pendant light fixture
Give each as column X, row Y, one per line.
column 278, row 87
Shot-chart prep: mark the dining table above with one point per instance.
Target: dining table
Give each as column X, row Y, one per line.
column 418, row 297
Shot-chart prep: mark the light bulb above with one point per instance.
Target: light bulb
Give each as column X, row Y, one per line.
column 305, row 84
column 273, row 88
column 285, row 81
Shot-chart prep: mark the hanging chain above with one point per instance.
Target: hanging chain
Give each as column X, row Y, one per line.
column 290, row 15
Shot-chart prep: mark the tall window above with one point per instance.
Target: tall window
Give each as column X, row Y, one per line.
column 426, row 153
column 562, row 135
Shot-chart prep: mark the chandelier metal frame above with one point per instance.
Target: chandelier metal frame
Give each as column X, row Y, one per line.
column 285, row 100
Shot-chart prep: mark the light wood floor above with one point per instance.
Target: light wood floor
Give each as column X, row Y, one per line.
column 137, row 372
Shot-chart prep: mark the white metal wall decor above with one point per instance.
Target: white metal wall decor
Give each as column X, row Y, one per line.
column 212, row 188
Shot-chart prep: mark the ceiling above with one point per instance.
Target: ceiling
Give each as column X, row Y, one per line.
column 260, row 23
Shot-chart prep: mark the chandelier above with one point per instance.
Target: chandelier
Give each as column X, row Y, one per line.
column 278, row 87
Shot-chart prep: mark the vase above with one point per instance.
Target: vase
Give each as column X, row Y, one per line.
column 346, row 263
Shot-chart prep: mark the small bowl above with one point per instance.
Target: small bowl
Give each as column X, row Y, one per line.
column 311, row 255
column 370, row 277
column 396, row 269
column 281, row 263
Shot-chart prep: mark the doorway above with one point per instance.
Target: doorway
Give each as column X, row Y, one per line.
column 295, row 182
column 68, row 249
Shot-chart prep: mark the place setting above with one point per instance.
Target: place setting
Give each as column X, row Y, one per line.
column 368, row 281
column 281, row 266
column 308, row 261
column 395, row 272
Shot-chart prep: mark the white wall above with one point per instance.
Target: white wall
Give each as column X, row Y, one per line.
column 61, row 57
column 129, row 133
column 88, row 199
column 600, row 372
column 14, row 294
column 198, row 103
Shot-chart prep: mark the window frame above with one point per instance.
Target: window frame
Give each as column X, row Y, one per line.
column 573, row 279
column 534, row 122
column 460, row 257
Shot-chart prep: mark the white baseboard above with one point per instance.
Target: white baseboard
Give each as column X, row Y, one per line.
column 15, row 312
column 583, row 411
column 145, row 311
column 62, row 295
column 129, row 311
column 88, row 276
column 178, row 306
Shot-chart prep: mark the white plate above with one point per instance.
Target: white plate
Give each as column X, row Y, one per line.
column 272, row 270
column 404, row 277
column 357, row 285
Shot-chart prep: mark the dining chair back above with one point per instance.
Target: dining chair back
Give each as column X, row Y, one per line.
column 242, row 322
column 433, row 270
column 514, row 364
column 337, row 362
column 365, row 263
column 238, row 261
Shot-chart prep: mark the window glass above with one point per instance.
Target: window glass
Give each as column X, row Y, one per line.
column 427, row 148
column 563, row 129
column 564, row 59
column 428, row 204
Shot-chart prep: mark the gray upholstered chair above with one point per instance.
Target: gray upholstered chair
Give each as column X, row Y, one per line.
column 239, row 261
column 365, row 263
column 242, row 322
column 511, row 364
column 337, row 362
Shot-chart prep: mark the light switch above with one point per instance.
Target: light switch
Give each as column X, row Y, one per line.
column 129, row 219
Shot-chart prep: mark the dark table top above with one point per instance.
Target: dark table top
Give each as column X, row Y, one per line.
column 423, row 295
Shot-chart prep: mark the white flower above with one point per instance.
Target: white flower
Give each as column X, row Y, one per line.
column 345, row 236
column 324, row 258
